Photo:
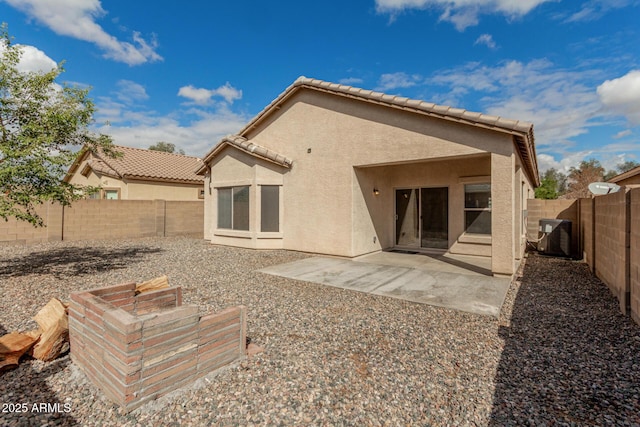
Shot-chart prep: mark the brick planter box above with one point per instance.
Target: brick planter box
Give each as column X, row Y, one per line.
column 138, row 348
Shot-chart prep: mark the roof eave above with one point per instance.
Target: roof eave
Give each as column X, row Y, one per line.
column 513, row 127
column 82, row 154
column 226, row 142
column 624, row 175
column 160, row 179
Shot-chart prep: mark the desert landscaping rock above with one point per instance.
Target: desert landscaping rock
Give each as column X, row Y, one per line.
column 560, row 353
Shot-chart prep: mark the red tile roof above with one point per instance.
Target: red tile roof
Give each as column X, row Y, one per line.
column 148, row 165
column 522, row 132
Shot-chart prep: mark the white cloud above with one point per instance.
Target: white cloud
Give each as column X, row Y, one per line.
column 130, row 92
column 557, row 101
column 195, row 128
column 568, row 160
column 623, row 134
column 194, row 131
column 32, row 59
column 228, row 92
column 351, row 81
column 462, row 13
column 201, row 96
column 397, row 80
column 487, row 40
column 595, row 9
column 622, row 96
column 77, row 19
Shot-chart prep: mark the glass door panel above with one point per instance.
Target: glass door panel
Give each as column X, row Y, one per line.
column 407, row 218
column 435, row 218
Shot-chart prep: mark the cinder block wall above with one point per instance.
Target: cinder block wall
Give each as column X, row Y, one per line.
column 538, row 209
column 138, row 348
column 608, row 235
column 13, row 231
column 109, row 219
column 104, row 219
column 184, row 219
column 634, row 254
column 612, row 240
column 586, row 231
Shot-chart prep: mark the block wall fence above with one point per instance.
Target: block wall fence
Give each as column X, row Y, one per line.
column 109, row 219
column 607, row 238
column 136, row 348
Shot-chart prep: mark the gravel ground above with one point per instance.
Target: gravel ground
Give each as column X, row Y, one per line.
column 560, row 353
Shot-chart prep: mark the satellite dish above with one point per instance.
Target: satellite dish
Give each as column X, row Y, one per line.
column 599, row 188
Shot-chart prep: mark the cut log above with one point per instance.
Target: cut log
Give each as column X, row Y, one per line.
column 54, row 323
column 161, row 282
column 12, row 347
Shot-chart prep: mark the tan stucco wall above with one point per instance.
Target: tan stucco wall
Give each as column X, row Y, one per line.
column 235, row 168
column 341, row 147
column 148, row 190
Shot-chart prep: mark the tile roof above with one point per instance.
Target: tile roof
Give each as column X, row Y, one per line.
column 432, row 109
column 243, row 144
column 522, row 131
column 148, row 165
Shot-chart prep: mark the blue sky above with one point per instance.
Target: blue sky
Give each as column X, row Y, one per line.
column 191, row 72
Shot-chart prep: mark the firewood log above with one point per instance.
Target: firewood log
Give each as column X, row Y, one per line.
column 54, row 323
column 12, row 347
column 152, row 285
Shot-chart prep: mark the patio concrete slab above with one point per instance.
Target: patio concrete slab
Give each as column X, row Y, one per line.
column 458, row 283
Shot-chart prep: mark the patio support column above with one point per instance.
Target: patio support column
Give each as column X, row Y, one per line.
column 502, row 210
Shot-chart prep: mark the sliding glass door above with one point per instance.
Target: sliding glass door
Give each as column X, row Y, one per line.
column 422, row 217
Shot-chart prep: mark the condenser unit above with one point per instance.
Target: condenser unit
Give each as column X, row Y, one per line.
column 555, row 237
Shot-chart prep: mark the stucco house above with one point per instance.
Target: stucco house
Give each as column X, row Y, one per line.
column 630, row 178
column 138, row 174
column 332, row 169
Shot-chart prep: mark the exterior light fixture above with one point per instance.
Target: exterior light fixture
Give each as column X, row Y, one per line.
column 376, row 191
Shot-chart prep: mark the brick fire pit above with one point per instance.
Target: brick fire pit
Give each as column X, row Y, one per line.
column 136, row 348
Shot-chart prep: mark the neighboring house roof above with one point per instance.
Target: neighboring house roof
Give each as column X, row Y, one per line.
column 625, row 175
column 521, row 131
column 139, row 164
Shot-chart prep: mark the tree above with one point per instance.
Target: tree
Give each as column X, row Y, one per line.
column 552, row 185
column 579, row 178
column 42, row 127
column 621, row 168
column 166, row 147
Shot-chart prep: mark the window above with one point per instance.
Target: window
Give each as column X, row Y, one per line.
column 112, row 194
column 477, row 208
column 270, row 209
column 105, row 194
column 233, row 208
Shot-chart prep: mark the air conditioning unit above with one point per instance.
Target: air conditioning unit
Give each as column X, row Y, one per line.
column 555, row 237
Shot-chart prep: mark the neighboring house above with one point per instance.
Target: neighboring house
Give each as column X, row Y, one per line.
column 331, row 169
column 630, row 178
column 138, row 175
